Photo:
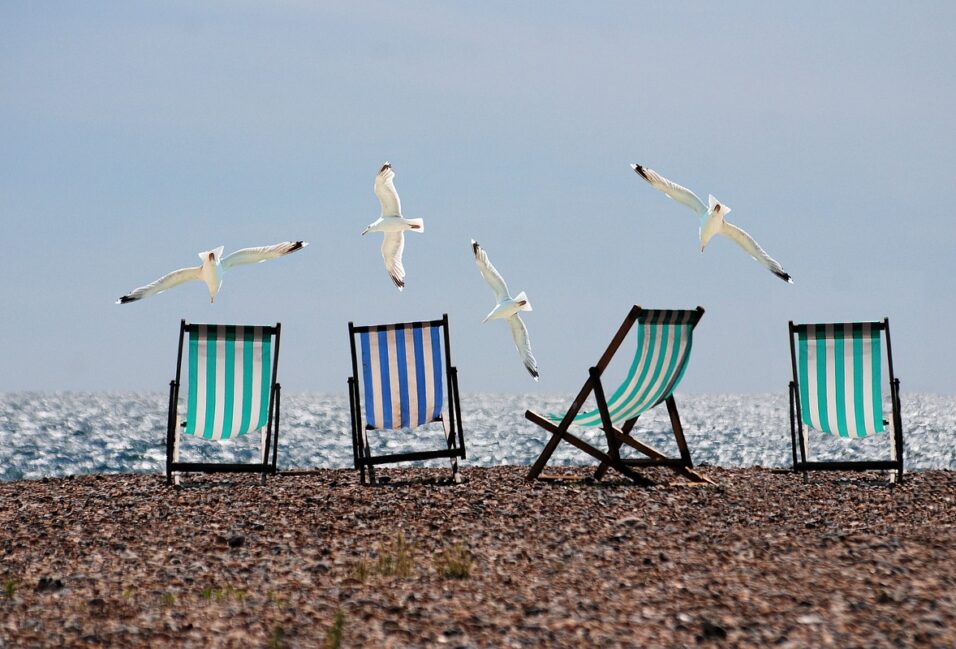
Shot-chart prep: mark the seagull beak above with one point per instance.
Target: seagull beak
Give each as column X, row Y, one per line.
column 364, row 232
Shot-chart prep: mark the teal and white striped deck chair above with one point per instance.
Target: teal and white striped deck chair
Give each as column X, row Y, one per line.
column 663, row 344
column 837, row 389
column 232, row 391
column 405, row 378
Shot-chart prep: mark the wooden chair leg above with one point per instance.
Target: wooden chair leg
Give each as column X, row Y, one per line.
column 678, row 432
column 450, row 442
column 263, row 452
column 581, row 445
column 626, row 429
column 366, row 465
column 549, row 448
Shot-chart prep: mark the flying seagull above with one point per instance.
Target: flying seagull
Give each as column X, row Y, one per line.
column 392, row 224
column 508, row 308
column 212, row 268
column 712, row 220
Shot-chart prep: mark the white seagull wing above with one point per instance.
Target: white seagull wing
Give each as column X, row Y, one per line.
column 260, row 254
column 673, row 190
column 490, row 273
column 523, row 344
column 393, row 245
column 164, row 283
column 386, row 192
column 753, row 249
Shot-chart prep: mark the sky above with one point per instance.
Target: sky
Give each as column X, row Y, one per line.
column 135, row 135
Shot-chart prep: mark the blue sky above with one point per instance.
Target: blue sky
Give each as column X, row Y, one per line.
column 134, row 135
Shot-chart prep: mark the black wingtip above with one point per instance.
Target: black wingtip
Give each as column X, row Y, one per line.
column 475, row 247
column 298, row 245
column 639, row 170
column 784, row 276
column 400, row 283
column 532, row 371
column 126, row 299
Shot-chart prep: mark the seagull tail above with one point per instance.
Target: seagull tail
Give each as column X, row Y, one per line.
column 521, row 297
column 418, row 225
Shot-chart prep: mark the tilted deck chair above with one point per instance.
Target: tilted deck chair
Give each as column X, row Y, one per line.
column 837, row 389
column 663, row 348
column 405, row 377
column 233, row 391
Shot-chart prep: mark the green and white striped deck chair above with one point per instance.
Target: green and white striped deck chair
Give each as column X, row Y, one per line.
column 663, row 344
column 232, row 391
column 837, row 389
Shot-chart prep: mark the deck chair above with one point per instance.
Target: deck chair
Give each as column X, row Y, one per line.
column 663, row 349
column 837, row 389
column 404, row 376
column 232, row 391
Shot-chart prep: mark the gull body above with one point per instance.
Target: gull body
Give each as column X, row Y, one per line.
column 392, row 224
column 712, row 220
column 507, row 308
column 211, row 270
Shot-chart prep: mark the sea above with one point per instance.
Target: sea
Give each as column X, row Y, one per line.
column 71, row 433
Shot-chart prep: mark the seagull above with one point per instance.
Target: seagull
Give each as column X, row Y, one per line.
column 508, row 307
column 392, row 224
column 712, row 220
column 212, row 268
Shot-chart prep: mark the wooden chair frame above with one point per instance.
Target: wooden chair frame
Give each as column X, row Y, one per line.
column 362, row 456
column 616, row 437
column 797, row 432
column 270, row 436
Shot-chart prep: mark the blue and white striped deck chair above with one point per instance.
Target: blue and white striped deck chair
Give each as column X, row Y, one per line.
column 404, row 377
column 663, row 344
column 837, row 389
column 232, row 391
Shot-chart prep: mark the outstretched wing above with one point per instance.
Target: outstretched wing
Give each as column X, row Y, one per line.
column 260, row 254
column 392, row 247
column 753, row 249
column 490, row 273
column 673, row 190
column 386, row 192
column 164, row 283
column 523, row 344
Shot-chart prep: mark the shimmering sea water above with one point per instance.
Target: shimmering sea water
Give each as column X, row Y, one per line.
column 56, row 434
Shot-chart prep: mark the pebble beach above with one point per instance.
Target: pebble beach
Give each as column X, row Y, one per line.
column 760, row 559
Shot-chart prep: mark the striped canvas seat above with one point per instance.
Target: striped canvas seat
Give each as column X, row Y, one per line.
column 839, row 368
column 405, row 378
column 837, row 389
column 231, row 391
column 230, row 374
column 402, row 375
column 664, row 339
